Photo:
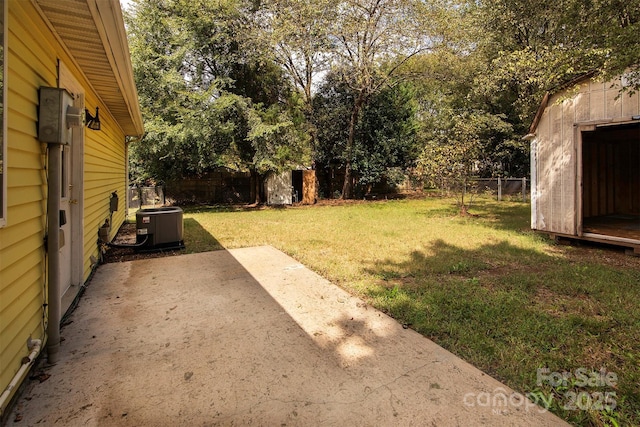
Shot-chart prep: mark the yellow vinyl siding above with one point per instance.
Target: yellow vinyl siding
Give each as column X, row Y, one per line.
column 31, row 63
column 14, row 239
column 18, row 270
column 104, row 173
column 34, row 49
column 10, row 305
column 32, row 57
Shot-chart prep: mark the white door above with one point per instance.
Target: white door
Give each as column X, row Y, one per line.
column 66, row 219
column 71, row 198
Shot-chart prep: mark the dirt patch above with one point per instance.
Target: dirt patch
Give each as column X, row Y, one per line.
column 127, row 236
column 597, row 253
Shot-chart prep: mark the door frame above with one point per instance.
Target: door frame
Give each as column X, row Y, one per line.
column 579, row 129
column 76, row 190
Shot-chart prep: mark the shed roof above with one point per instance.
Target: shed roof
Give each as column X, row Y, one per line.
column 547, row 95
column 94, row 35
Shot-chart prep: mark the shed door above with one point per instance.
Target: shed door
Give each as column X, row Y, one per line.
column 611, row 181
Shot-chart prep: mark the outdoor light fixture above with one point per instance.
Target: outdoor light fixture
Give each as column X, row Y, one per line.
column 93, row 122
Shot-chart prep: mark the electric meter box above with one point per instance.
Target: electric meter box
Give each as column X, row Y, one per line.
column 56, row 116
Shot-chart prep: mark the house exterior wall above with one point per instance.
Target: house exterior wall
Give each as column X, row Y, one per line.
column 104, row 172
column 33, row 54
column 556, row 149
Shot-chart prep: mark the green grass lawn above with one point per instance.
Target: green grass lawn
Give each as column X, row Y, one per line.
column 507, row 300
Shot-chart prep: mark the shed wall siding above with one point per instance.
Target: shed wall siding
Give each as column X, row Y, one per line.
column 32, row 57
column 556, row 168
column 557, row 139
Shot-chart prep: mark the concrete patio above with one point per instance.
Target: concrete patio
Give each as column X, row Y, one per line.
column 252, row 337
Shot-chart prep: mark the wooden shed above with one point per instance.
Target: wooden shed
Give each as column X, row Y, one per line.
column 278, row 188
column 585, row 163
column 286, row 188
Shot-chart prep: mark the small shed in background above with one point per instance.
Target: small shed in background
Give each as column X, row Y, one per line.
column 278, row 188
column 304, row 186
column 288, row 187
column 585, row 163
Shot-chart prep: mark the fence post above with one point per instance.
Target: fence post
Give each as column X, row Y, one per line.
column 524, row 189
column 499, row 189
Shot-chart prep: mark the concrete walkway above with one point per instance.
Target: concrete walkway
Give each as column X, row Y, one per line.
column 252, row 337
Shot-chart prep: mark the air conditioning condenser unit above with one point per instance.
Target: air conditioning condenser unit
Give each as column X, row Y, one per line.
column 159, row 228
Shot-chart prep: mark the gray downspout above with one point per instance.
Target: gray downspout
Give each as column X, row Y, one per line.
column 126, row 178
column 56, row 116
column 53, row 249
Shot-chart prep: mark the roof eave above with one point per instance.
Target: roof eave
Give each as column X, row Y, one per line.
column 108, row 15
column 108, row 34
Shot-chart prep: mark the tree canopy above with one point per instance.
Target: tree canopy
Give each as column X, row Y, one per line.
column 209, row 97
column 372, row 87
column 385, row 138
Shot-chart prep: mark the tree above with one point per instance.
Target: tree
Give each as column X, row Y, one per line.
column 225, row 50
column 385, row 138
column 464, row 136
column 298, row 33
column 374, row 38
column 209, row 98
column 184, row 135
column 263, row 140
column 455, row 155
column 530, row 50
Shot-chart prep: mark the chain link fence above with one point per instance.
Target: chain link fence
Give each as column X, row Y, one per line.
column 500, row 187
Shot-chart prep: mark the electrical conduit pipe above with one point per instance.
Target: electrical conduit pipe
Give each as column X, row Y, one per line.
column 53, row 239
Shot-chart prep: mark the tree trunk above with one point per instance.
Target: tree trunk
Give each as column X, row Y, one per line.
column 464, row 210
column 313, row 138
column 255, row 186
column 332, row 174
column 347, row 187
